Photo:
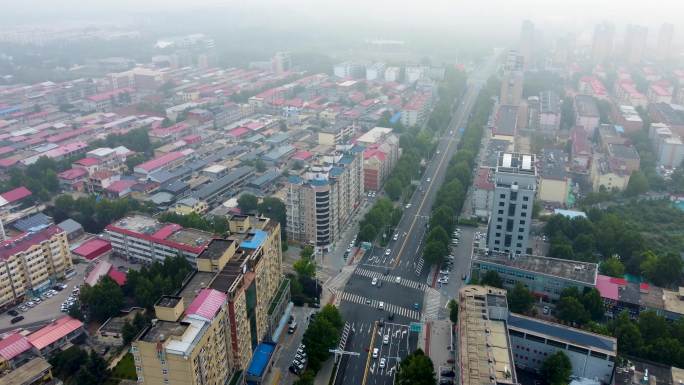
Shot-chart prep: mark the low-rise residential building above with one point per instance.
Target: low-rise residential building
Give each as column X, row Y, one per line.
column 544, row 277
column 379, row 157
column 31, row 262
column 144, row 239
column 660, row 92
column 55, row 335
column 506, row 122
column 626, row 92
column 335, row 134
column 190, row 205
column 37, row 371
column 586, row 113
column 621, row 295
column 607, row 174
column 670, row 114
column 581, row 152
column 417, row 110
column 349, row 69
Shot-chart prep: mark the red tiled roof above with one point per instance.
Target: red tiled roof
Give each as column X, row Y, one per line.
column 238, row 132
column 24, row 241
column 6, row 150
column 160, row 161
column 120, row 185
column 13, row 345
column 482, row 180
column 166, row 231
column 302, row 155
column 72, row 173
column 8, row 162
column 54, row 332
column 87, row 162
column 93, row 248
column 207, row 303
column 107, row 95
column 95, row 275
column 176, row 245
column 118, row 276
column 16, row 194
column 374, row 153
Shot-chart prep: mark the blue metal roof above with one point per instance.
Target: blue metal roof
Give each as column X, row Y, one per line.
column 318, row 182
column 562, row 332
column 346, row 159
column 260, row 358
column 336, row 171
column 294, row 179
column 395, row 118
column 258, row 237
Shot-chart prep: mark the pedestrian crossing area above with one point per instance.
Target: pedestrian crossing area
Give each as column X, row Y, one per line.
column 340, row 280
column 433, row 303
column 373, row 303
column 419, row 268
column 390, row 278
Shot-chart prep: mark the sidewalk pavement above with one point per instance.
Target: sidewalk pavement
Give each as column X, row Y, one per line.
column 323, row 375
column 440, row 349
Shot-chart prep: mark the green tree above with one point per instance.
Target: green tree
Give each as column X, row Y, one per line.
column 435, row 252
column 103, row 300
column 628, row 335
column 128, row 333
column 637, row 185
column 321, row 335
column 444, row 217
column 393, row 188
column 570, row 309
column 368, row 233
column 75, row 311
column 593, row 304
column 520, row 300
column 556, row 369
column 491, row 278
column 438, row 234
column 307, row 252
column 612, row 267
column 416, row 369
column 453, row 311
column 305, row 267
column 248, row 203
column 663, row 270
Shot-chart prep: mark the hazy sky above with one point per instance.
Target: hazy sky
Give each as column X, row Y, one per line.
column 549, row 15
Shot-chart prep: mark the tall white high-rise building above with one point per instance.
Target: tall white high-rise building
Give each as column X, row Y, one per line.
column 515, row 186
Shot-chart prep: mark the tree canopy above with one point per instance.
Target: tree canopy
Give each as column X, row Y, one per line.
column 103, row 300
column 520, row 299
column 557, row 368
column 416, row 369
column 322, row 334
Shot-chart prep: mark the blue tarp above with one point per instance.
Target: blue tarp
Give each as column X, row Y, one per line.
column 257, row 239
column 395, row 118
column 260, row 358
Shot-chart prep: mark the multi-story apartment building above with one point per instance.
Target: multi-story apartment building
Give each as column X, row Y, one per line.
column 549, row 111
column 231, row 295
column 635, row 43
column 544, row 277
column 512, row 82
column 668, row 146
column 620, row 295
column 515, row 185
column 376, row 71
column 417, row 110
column 321, row 201
column 380, row 156
column 144, row 239
column 493, row 342
column 586, row 113
column 31, row 262
column 483, row 193
column 602, row 45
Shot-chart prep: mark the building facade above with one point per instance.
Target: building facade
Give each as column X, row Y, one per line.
column 321, row 201
column 515, row 186
column 544, row 277
column 31, row 262
column 144, row 239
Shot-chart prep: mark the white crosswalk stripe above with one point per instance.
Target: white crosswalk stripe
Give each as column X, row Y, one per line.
column 340, row 280
column 419, row 268
column 389, row 307
column 390, row 278
column 432, row 305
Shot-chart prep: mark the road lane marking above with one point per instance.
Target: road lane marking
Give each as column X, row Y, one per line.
column 370, row 347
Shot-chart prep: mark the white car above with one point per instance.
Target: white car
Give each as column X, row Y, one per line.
column 408, row 206
column 385, row 339
column 388, row 252
column 374, row 281
column 428, row 179
column 395, row 237
column 376, row 351
column 381, row 305
column 398, row 279
column 382, row 362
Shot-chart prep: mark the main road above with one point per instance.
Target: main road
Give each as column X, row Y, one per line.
column 381, row 314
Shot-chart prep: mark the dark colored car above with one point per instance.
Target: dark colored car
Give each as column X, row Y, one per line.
column 17, row 319
column 13, row 313
column 446, row 381
column 390, row 317
column 447, row 373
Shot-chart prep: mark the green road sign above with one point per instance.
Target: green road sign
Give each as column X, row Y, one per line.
column 416, row 327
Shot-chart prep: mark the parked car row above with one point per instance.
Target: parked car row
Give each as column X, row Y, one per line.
column 299, row 361
column 71, row 300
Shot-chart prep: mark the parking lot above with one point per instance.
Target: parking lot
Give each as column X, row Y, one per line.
column 49, row 307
